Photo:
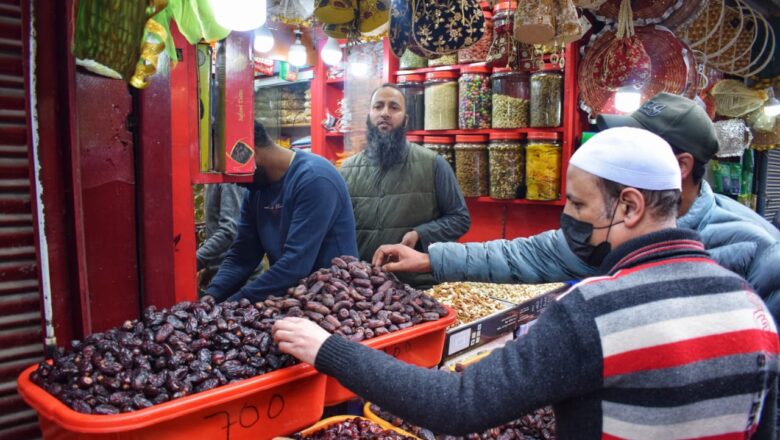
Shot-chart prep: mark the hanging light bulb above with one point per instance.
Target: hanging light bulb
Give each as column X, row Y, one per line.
column 297, row 53
column 331, row 52
column 239, row 15
column 264, row 40
column 359, row 69
column 627, row 99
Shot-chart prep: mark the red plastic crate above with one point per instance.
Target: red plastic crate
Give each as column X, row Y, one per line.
column 262, row 407
column 420, row 345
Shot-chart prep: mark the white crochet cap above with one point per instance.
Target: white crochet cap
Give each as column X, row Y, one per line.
column 631, row 156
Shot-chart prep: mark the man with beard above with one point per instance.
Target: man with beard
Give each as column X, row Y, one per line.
column 401, row 192
column 297, row 212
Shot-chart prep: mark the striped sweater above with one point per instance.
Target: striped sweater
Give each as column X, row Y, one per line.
column 667, row 345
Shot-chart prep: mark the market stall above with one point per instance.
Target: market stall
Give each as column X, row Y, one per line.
column 505, row 99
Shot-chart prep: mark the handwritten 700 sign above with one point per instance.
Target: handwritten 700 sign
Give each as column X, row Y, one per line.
column 248, row 415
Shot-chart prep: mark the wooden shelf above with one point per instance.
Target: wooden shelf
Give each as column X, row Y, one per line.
column 307, row 125
column 485, row 131
column 334, row 134
column 338, row 82
column 518, row 201
column 457, row 67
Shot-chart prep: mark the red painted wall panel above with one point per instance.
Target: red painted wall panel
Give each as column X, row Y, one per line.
column 105, row 150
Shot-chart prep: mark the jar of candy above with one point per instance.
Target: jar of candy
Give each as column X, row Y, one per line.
column 414, row 90
column 478, row 52
column 471, row 164
column 543, row 166
column 443, row 146
column 441, row 97
column 510, row 98
column 546, row 99
column 507, row 165
column 474, row 97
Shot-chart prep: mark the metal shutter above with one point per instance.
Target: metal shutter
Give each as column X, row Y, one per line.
column 20, row 316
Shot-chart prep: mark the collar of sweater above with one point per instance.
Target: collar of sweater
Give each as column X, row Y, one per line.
column 655, row 246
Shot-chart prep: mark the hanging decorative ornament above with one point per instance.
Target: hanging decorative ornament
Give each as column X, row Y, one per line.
column 291, row 12
column 625, row 63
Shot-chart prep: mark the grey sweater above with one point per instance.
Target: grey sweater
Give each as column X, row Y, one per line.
column 669, row 345
column 223, row 205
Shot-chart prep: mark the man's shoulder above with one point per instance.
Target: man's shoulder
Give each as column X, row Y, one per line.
column 422, row 151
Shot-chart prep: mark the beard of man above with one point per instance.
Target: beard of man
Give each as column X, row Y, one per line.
column 385, row 149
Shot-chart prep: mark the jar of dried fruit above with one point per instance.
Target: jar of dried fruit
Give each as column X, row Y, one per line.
column 543, row 166
column 443, row 146
column 546, row 98
column 471, row 164
column 441, row 100
column 510, row 98
column 507, row 165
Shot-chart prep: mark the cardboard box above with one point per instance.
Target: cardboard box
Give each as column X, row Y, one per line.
column 218, row 88
column 529, row 311
column 239, row 104
column 481, row 331
column 204, row 107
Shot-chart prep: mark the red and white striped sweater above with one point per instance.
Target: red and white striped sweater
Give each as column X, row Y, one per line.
column 668, row 345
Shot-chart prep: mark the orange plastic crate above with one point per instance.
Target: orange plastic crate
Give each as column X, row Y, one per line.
column 420, row 345
column 261, row 407
column 322, row 424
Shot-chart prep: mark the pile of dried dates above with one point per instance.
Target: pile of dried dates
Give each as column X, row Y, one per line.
column 195, row 347
column 357, row 300
column 538, row 425
column 354, row 429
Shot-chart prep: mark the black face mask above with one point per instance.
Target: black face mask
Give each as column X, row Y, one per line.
column 577, row 234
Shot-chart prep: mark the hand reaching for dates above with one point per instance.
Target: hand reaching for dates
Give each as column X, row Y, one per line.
column 299, row 337
column 400, row 258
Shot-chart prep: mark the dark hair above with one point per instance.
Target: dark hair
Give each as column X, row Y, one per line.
column 261, row 135
column 389, row 86
column 660, row 204
column 697, row 173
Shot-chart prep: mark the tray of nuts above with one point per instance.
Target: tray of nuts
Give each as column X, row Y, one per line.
column 518, row 293
column 481, row 319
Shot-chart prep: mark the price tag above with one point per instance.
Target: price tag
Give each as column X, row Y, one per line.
column 248, row 415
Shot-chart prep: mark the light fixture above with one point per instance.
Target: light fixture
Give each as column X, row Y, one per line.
column 359, row 69
column 331, row 52
column 627, row 99
column 296, row 56
column 264, row 40
column 239, row 15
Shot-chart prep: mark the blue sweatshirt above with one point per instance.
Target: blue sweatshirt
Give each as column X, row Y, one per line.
column 300, row 222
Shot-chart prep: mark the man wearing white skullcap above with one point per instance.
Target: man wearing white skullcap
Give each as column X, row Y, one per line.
column 668, row 344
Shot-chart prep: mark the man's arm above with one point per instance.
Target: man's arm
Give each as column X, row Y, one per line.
column 242, row 258
column 454, row 219
column 541, row 258
column 315, row 207
column 524, row 375
column 218, row 243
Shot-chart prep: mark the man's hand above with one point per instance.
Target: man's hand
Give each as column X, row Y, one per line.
column 410, row 239
column 208, row 298
column 300, row 338
column 400, row 258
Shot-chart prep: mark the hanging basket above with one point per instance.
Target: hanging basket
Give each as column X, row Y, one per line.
column 705, row 25
column 107, row 36
column 624, row 62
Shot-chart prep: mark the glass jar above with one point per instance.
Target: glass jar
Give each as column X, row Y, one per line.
column 507, row 166
column 510, row 98
column 546, row 97
column 413, row 89
column 444, row 60
column 503, row 33
column 410, row 60
column 543, row 166
column 474, row 97
column 471, row 164
column 443, row 146
column 441, row 97
column 478, row 52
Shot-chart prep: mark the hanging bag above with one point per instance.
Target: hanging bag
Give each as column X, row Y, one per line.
column 535, row 22
column 335, row 11
column 446, row 26
column 625, row 61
